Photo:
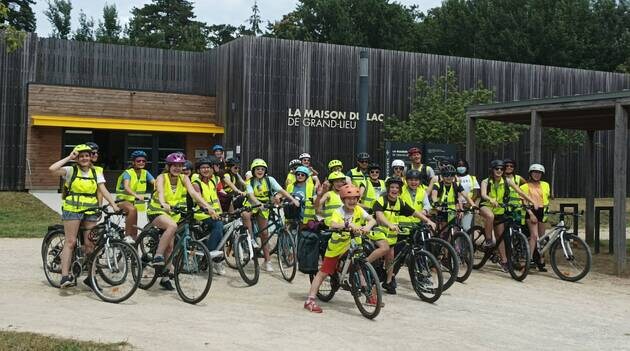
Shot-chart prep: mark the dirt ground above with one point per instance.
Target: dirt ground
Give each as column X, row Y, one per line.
column 489, row 311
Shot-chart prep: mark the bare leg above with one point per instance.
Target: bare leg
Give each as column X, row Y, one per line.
column 131, row 219
column 169, row 226
column 264, row 235
column 498, row 230
column 382, row 250
column 488, row 220
column 70, row 228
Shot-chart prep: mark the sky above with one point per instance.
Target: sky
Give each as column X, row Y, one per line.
column 233, row 12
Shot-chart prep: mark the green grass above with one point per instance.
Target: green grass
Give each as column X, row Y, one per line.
column 24, row 216
column 21, row 341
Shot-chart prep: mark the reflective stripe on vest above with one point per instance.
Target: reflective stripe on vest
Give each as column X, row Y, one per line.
column 370, row 194
column 261, row 190
column 332, row 203
column 497, row 193
column 546, row 194
column 137, row 185
column 448, row 198
column 357, row 177
column 209, row 194
column 174, row 199
column 309, row 209
column 417, row 203
column 392, row 214
column 340, row 242
column 82, row 190
column 515, row 198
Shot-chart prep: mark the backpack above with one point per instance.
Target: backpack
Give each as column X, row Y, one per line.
column 65, row 191
column 308, row 252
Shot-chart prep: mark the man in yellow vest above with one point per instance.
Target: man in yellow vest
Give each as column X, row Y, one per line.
column 131, row 188
column 360, row 173
column 428, row 174
column 372, row 187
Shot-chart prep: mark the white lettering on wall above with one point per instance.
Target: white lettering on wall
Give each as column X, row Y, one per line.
column 328, row 119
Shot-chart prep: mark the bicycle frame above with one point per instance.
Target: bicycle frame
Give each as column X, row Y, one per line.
column 557, row 232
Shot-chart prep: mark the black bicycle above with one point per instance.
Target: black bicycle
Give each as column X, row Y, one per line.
column 113, row 267
column 452, row 232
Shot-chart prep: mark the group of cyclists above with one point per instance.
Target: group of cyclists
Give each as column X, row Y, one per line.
column 355, row 201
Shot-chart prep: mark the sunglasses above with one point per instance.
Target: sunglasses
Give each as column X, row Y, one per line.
column 300, row 175
column 94, row 152
column 399, row 168
column 236, row 167
column 363, row 161
column 498, row 168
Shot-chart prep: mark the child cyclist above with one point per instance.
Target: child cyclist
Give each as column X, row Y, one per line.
column 389, row 208
column 330, row 200
column 446, row 193
column 348, row 218
column 261, row 188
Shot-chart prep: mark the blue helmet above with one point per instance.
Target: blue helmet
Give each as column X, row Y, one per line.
column 304, row 170
column 217, row 147
column 138, row 153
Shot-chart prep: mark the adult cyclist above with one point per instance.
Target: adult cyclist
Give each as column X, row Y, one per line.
column 359, row 174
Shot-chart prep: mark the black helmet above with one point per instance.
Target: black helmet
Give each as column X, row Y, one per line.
column 497, row 163
column 374, row 166
column 188, row 165
column 232, row 161
column 394, row 180
column 363, row 156
column 509, row 160
column 448, row 171
column 214, row 161
column 413, row 174
column 202, row 161
column 92, row 145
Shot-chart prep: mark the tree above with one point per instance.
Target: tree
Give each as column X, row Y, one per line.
column 13, row 37
column 438, row 115
column 109, row 29
column 254, row 21
column 167, row 24
column 219, row 34
column 371, row 23
column 58, row 14
column 85, row 32
column 20, row 14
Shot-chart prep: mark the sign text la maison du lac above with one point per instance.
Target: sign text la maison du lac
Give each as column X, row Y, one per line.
column 328, row 119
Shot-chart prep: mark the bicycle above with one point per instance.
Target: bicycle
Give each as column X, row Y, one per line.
column 191, row 259
column 460, row 240
column 567, row 248
column 113, row 267
column 516, row 246
column 247, row 256
column 354, row 274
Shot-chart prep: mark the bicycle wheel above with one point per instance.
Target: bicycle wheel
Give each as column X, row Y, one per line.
column 328, row 288
column 426, row 275
column 517, row 251
column 447, row 257
column 52, row 245
column 146, row 244
column 246, row 260
column 228, row 251
column 193, row 272
column 463, row 246
column 570, row 258
column 477, row 237
column 287, row 255
column 365, row 288
column 114, row 271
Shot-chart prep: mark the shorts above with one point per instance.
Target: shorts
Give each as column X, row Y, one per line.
column 539, row 213
column 329, row 265
column 377, row 235
column 76, row 216
column 152, row 217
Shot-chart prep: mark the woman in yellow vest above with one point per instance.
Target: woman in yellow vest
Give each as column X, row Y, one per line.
column 372, row 187
column 232, row 184
column 131, row 188
column 204, row 183
column 495, row 192
column 171, row 188
column 83, row 183
column 304, row 188
column 347, row 218
column 540, row 192
column 446, row 192
column 261, row 189
column 389, row 210
column 329, row 200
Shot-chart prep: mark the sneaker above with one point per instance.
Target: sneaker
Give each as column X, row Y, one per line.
column 66, row 281
column 216, row 254
column 88, row 282
column 166, row 285
column 541, row 267
column 372, row 299
column 129, row 240
column 393, row 283
column 504, row 267
column 312, row 306
column 158, row 261
column 219, row 268
column 268, row 266
column 389, row 288
column 487, row 244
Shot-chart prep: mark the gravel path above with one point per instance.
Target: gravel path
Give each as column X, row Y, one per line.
column 488, row 312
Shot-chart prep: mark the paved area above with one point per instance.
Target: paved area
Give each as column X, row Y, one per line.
column 489, row 312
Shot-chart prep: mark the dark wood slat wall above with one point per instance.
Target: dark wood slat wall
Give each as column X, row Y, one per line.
column 261, row 78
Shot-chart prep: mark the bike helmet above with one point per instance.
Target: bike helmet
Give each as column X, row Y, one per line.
column 336, row 176
column 448, row 171
column 334, row 163
column 82, row 148
column 217, row 147
column 348, row 190
column 374, row 166
column 537, row 167
column 138, row 153
column 214, row 161
column 294, row 163
column 203, row 161
column 394, row 180
column 232, row 161
column 413, row 174
column 304, row 155
column 414, row 150
column 398, row 163
column 304, row 170
column 363, row 156
column 92, row 145
column 175, row 157
column 188, row 165
column 509, row 160
column 497, row 163
column 258, row 162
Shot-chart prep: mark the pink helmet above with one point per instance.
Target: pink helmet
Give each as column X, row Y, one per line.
column 175, row 157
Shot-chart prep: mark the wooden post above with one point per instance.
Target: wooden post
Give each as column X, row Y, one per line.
column 619, row 174
column 470, row 144
column 535, row 138
column 589, row 192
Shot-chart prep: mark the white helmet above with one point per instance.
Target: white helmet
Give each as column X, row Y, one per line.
column 537, row 167
column 398, row 163
column 305, row 155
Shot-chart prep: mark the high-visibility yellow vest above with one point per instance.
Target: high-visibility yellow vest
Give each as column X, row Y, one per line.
column 370, row 194
column 137, row 184
column 448, row 197
column 357, row 177
column 81, row 191
column 174, row 199
column 417, row 203
column 209, row 194
column 500, row 192
column 515, row 198
column 339, row 242
column 309, row 209
column 333, row 202
column 546, row 194
column 392, row 214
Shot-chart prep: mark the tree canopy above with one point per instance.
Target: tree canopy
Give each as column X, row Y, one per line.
column 58, row 14
column 19, row 14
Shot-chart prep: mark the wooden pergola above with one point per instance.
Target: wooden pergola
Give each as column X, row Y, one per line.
column 590, row 113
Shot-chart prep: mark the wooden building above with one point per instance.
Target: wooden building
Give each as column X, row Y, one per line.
column 260, row 97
